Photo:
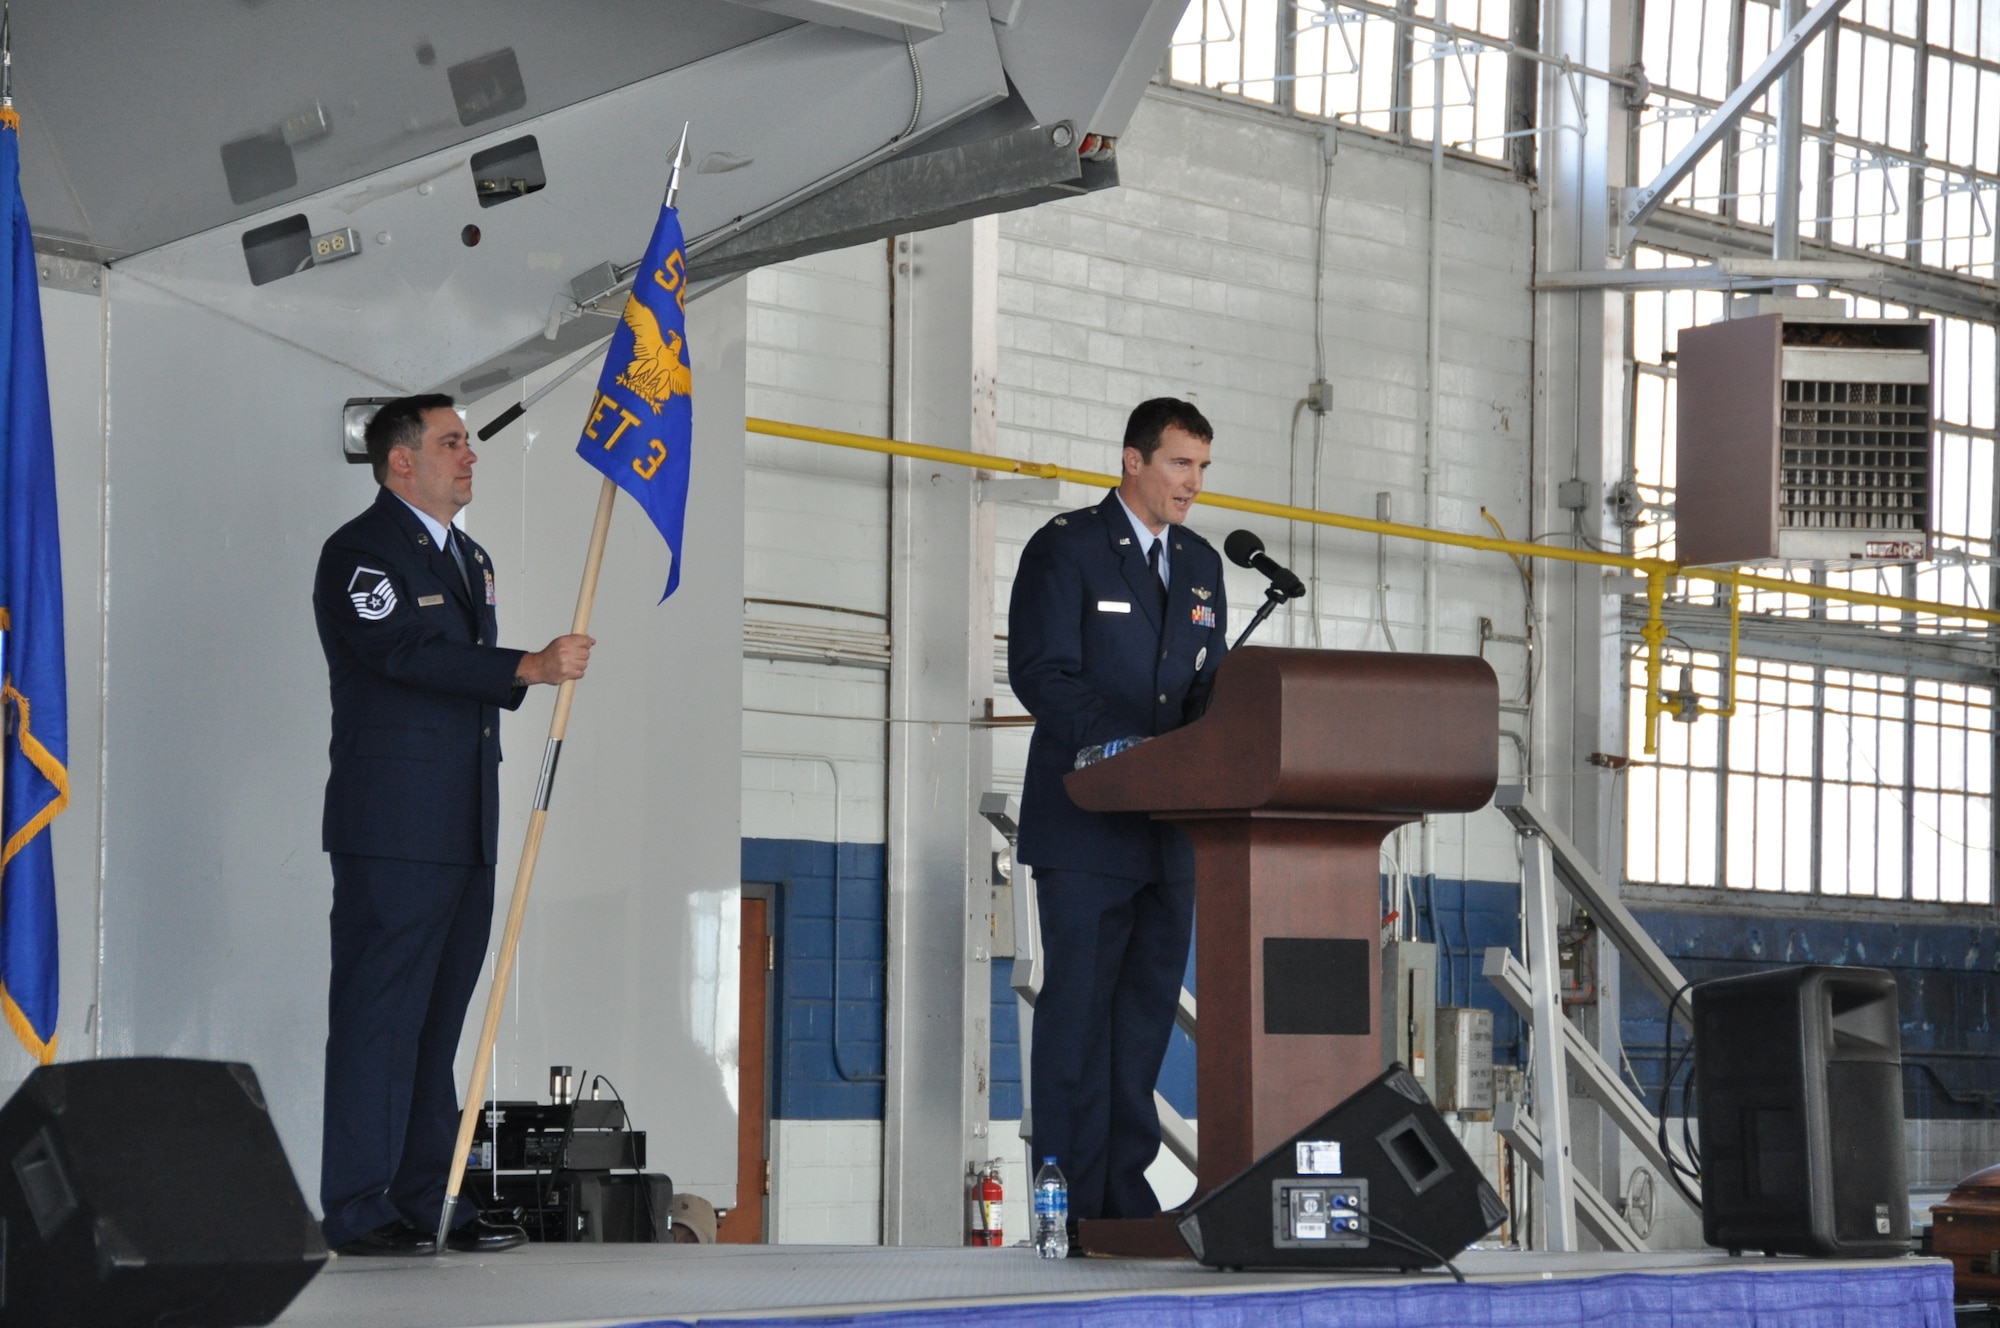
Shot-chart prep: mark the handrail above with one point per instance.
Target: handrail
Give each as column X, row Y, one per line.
column 1656, row 570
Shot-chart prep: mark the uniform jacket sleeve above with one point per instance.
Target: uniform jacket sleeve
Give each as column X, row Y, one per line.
column 399, row 645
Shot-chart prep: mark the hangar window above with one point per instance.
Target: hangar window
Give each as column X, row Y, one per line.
column 1860, row 760
column 1356, row 63
column 1901, row 118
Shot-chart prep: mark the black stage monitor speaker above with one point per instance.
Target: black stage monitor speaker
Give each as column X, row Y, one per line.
column 1378, row 1182
column 1799, row 1085
column 148, row 1191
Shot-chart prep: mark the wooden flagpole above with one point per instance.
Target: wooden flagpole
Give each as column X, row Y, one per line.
column 538, row 816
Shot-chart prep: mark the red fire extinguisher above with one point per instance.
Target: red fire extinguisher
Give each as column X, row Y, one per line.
column 982, row 1207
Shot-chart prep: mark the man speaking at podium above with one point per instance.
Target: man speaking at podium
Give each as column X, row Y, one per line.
column 405, row 607
column 1116, row 627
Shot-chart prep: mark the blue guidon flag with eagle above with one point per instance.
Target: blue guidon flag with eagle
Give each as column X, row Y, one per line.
column 641, row 423
column 36, row 754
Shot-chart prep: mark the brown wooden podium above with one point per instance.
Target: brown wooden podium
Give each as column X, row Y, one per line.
column 1305, row 760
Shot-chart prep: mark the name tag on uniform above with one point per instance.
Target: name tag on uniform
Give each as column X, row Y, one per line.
column 1113, row 606
column 427, row 601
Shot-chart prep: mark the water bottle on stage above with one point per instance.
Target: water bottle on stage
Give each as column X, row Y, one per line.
column 1051, row 1211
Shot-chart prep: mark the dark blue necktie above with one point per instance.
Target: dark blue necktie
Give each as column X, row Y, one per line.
column 458, row 556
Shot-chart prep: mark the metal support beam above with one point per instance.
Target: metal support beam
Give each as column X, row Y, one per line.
column 1599, row 1215
column 1791, row 98
column 1723, row 274
column 920, row 191
column 939, row 989
column 1551, row 1081
column 1582, row 881
column 1582, row 416
column 1901, row 281
column 1641, row 200
column 1599, row 1080
column 1968, row 660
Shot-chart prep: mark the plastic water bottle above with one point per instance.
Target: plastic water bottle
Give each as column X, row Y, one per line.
column 1093, row 754
column 1051, row 1211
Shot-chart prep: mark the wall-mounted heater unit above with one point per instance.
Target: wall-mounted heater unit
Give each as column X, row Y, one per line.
column 1804, row 439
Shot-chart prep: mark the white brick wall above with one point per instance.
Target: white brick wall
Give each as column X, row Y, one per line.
column 826, row 1182
column 788, row 792
column 816, row 533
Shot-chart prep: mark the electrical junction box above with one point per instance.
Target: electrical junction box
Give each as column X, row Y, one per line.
column 1803, row 439
column 1464, row 1060
column 1409, row 1009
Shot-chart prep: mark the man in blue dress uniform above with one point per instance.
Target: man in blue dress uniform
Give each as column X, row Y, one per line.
column 1116, row 628
column 404, row 603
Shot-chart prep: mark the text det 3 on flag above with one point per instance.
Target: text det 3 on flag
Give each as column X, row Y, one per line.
column 641, row 426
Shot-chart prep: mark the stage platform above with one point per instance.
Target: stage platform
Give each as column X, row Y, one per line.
column 876, row 1287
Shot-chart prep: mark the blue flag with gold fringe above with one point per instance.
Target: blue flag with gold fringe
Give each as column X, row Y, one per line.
column 641, row 423
column 31, row 615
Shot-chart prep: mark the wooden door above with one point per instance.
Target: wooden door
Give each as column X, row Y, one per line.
column 745, row 1223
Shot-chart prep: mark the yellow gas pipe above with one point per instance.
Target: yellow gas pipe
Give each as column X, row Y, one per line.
column 1655, row 570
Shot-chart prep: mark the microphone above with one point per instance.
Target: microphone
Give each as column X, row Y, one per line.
column 1246, row 550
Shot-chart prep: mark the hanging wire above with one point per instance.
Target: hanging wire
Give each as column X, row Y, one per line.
column 1670, row 1070
column 917, row 78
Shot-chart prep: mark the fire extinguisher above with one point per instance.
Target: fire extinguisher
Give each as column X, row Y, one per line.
column 982, row 1207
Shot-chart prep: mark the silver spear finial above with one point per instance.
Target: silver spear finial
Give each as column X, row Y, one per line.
column 680, row 157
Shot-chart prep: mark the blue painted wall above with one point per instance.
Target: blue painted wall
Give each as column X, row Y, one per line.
column 1003, row 1077
column 814, row 1076
column 1945, row 986
column 1946, row 978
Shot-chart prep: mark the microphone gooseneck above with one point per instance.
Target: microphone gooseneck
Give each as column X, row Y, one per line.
column 1246, row 550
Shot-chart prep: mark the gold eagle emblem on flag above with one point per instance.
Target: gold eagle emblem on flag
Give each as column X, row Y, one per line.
column 656, row 371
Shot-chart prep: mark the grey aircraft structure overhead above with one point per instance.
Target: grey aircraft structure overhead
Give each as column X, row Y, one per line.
column 488, row 174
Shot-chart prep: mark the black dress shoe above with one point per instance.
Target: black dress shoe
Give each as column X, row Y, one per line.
column 484, row 1236
column 401, row 1238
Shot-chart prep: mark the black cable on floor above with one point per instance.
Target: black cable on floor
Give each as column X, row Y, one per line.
column 1404, row 1240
